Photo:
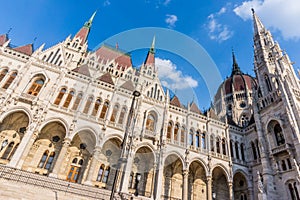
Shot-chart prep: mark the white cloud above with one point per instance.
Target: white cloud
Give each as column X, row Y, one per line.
column 171, row 20
column 173, row 78
column 106, row 3
column 166, row 2
column 216, row 30
column 282, row 15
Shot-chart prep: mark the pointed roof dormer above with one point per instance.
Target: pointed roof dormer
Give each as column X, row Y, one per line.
column 235, row 67
column 175, row 101
column 258, row 26
column 26, row 49
column 85, row 30
column 3, row 39
column 150, row 60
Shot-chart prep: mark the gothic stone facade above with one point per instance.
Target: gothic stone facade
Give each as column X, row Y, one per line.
column 64, row 112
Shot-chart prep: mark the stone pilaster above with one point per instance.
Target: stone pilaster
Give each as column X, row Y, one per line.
column 94, row 161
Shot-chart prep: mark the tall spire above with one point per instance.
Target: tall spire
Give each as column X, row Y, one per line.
column 258, row 26
column 85, row 30
column 235, row 67
column 150, row 56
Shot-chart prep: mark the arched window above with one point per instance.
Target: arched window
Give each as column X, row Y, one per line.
column 257, row 147
column 69, row 99
column 253, row 150
column 4, row 144
column 203, row 146
column 60, row 96
column 243, row 152
column 279, row 135
column 77, row 101
column 150, row 122
column 104, row 109
column 10, row 79
column 3, row 74
column 106, row 174
column 88, row 105
column 237, row 150
column 176, row 129
column 212, row 143
column 223, row 146
column 292, row 192
column 8, row 151
column 36, row 86
column 231, row 148
column 74, row 161
column 218, row 145
column 96, row 107
column 100, row 173
column 46, row 160
column 114, row 113
column 50, row 161
column 182, row 134
column 122, row 115
column 268, row 83
column 169, row 130
column 191, row 137
column 197, row 138
column 43, row 160
column 130, row 185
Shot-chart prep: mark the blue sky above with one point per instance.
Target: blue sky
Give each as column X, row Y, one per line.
column 217, row 25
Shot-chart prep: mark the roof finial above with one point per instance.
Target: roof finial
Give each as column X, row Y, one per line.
column 89, row 23
column 235, row 66
column 253, row 11
column 152, row 49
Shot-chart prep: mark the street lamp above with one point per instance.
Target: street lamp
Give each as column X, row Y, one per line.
column 138, row 178
column 123, row 158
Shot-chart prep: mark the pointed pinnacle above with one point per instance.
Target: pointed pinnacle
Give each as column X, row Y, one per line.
column 152, row 49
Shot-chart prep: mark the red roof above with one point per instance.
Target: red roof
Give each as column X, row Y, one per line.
column 106, row 78
column 83, row 34
column 26, row 49
column 83, row 69
column 237, row 83
column 108, row 53
column 175, row 102
column 150, row 60
column 194, row 108
column 3, row 39
column 128, row 85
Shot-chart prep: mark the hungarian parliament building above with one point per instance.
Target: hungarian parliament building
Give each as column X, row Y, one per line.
column 87, row 124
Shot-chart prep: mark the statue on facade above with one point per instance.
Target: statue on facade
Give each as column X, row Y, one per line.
column 260, row 184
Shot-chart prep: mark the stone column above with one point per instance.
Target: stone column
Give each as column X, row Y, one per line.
column 125, row 169
column 60, row 158
column 93, row 163
column 185, row 174
column 158, row 179
column 230, row 190
column 22, row 151
column 153, row 181
column 209, row 188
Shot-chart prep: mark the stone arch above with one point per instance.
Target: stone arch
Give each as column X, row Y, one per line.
column 141, row 180
column 276, row 133
column 197, row 182
column 201, row 161
column 220, row 187
column 17, row 109
column 172, row 176
column 46, row 148
column 148, row 145
column 109, row 137
column 240, row 185
column 55, row 119
column 89, row 129
column 12, row 130
column 175, row 153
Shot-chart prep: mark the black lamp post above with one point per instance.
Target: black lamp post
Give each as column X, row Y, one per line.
column 123, row 158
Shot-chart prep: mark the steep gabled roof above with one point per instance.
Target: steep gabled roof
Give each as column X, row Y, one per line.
column 84, row 31
column 83, row 69
column 26, row 49
column 194, row 108
column 128, row 85
column 106, row 78
column 150, row 59
column 3, row 39
column 175, row 101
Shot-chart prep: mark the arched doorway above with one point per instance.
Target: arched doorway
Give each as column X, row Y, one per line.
column 107, row 163
column 79, row 153
column 172, row 179
column 45, row 150
column 197, row 188
column 240, row 187
column 220, row 189
column 142, row 173
column 12, row 130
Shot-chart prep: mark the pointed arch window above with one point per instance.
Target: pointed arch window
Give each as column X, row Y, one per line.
column 100, row 173
column 150, row 122
column 237, row 150
column 169, row 130
column 104, row 109
column 36, row 86
column 106, row 174
column 197, row 139
column 77, row 101
column 212, row 143
column 279, row 135
column 46, row 160
column 8, row 151
column 243, row 152
column 191, row 137
column 223, row 146
column 4, row 144
column 60, row 96
column 218, row 145
column 96, row 107
column 69, row 99
column 122, row 115
column 176, row 129
column 231, row 148
column 114, row 113
column 182, row 134
column 10, row 79
column 203, row 146
column 253, row 150
column 268, row 83
column 3, row 74
column 88, row 105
